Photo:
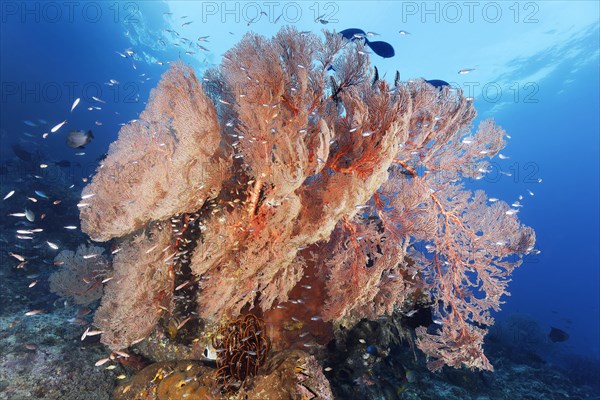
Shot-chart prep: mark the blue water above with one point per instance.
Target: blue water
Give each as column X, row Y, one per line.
column 547, row 71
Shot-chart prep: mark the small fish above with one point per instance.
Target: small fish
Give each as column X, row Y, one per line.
column 33, row 312
column 182, row 323
column 437, row 83
column 58, row 126
column 403, row 33
column 29, row 123
column 70, row 227
column 362, row 341
column 29, row 215
column 75, row 103
column 466, row 71
column 53, row 246
column 41, row 194
column 502, row 156
column 100, row 100
column 327, row 369
column 557, row 335
column 530, row 192
column 367, row 133
column 16, row 215
column 102, row 361
column 87, row 196
column 30, row 346
column 121, row 376
column 17, row 256
column 121, row 353
column 9, row 194
column 87, row 256
column 412, row 312
column 32, row 284
column 492, row 199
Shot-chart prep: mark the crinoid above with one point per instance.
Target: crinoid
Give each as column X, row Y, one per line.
column 242, row 348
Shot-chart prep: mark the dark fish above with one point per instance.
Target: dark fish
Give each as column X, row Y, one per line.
column 557, row 335
column 382, row 49
column 438, row 83
column 64, row 163
column 350, row 33
column 375, row 77
column 335, row 90
column 78, row 139
column 21, row 153
column 397, row 79
column 372, row 350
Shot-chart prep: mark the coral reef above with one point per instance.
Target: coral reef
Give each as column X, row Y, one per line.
column 81, row 274
column 41, row 357
column 139, row 292
column 290, row 375
column 293, row 166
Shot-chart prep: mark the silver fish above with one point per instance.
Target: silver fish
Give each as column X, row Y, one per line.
column 58, row 126
column 75, row 103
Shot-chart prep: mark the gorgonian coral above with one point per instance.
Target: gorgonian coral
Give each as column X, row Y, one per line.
column 289, row 155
